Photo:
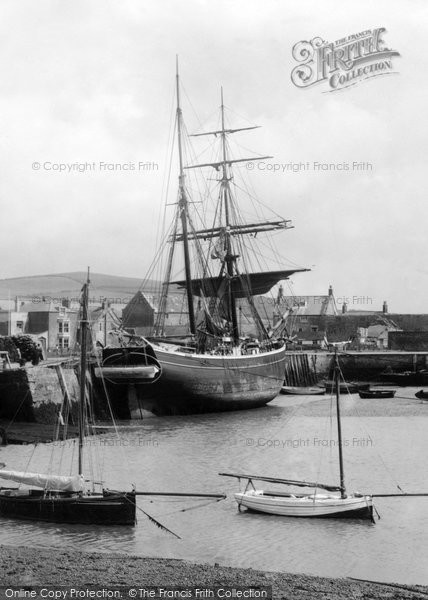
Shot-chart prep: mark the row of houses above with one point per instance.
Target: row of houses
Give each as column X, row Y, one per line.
column 311, row 321
column 55, row 325
column 318, row 322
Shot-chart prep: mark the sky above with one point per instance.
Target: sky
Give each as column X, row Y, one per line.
column 93, row 81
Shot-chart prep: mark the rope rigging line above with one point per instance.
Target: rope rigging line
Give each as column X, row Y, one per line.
column 168, row 163
column 361, row 421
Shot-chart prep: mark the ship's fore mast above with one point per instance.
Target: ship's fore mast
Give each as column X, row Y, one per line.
column 183, row 210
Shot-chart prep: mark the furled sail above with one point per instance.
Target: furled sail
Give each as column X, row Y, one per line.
column 254, row 284
column 57, row 483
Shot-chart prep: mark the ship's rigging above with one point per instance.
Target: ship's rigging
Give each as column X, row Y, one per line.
column 218, row 276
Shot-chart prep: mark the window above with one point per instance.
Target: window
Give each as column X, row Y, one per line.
column 20, row 325
column 314, row 328
column 63, row 327
column 64, row 343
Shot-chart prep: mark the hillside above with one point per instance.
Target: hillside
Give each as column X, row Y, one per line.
column 69, row 285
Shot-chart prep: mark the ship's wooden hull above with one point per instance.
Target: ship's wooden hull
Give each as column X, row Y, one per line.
column 315, row 505
column 196, row 383
column 109, row 508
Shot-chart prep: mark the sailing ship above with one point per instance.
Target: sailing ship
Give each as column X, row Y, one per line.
column 215, row 366
column 336, row 503
column 66, row 499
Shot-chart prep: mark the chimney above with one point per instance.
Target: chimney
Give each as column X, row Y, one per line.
column 385, row 307
column 330, row 290
column 344, row 308
column 17, row 304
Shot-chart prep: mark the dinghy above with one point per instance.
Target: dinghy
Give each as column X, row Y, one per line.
column 376, row 393
column 302, row 391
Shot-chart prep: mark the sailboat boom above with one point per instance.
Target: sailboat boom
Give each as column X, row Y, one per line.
column 324, row 486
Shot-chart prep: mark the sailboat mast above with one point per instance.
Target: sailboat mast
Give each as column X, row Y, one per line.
column 339, row 426
column 83, row 361
column 230, row 258
column 182, row 202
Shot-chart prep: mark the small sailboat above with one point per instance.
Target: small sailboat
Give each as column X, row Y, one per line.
column 333, row 501
column 65, row 499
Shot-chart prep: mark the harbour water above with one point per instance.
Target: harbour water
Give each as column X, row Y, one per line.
column 385, row 445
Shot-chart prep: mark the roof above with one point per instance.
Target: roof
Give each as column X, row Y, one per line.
column 101, row 313
column 309, row 305
column 38, row 307
column 141, row 298
column 378, row 329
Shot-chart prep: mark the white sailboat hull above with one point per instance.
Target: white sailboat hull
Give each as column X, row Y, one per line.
column 311, row 505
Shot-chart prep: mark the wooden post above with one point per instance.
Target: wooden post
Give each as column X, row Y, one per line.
column 63, row 385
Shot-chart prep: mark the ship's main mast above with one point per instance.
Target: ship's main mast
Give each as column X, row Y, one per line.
column 229, row 229
column 230, row 258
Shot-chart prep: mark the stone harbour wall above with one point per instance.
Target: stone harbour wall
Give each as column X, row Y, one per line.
column 46, row 392
column 34, row 394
